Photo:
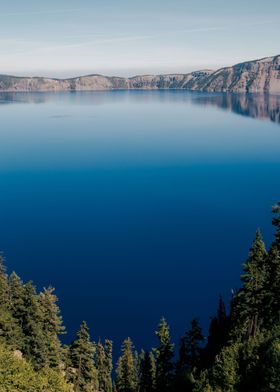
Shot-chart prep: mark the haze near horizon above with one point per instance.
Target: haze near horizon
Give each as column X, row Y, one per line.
column 66, row 38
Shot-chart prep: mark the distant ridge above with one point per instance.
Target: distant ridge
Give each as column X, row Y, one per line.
column 255, row 76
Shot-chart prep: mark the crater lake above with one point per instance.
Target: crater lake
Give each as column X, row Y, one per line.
column 136, row 204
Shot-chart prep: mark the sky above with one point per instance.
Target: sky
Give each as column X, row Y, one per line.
column 64, row 38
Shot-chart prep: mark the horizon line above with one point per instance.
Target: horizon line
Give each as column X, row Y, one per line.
column 136, row 75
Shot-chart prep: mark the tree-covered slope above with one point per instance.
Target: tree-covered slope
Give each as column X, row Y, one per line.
column 241, row 352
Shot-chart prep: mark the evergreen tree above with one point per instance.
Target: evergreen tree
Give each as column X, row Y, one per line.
column 202, row 384
column 103, row 363
column 100, row 363
column 268, row 373
column 147, row 372
column 10, row 331
column 191, row 347
column 250, row 299
column 17, row 296
column 52, row 326
column 276, row 223
column 189, row 357
column 17, row 374
column 108, row 347
column 271, row 303
column 218, row 334
column 35, row 343
column 81, row 354
column 164, row 355
column 126, row 372
column 4, row 287
column 225, row 372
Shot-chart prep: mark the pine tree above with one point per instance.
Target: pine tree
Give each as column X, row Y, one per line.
column 147, row 372
column 164, row 355
column 17, row 374
column 276, row 223
column 103, row 363
column 218, row 334
column 271, row 303
column 126, row 372
column 193, row 340
column 81, row 354
column 225, row 373
column 10, row 331
column 108, row 347
column 189, row 357
column 268, row 373
column 17, row 296
column 52, row 326
column 35, row 344
column 100, row 366
column 4, row 287
column 250, row 299
column 202, row 384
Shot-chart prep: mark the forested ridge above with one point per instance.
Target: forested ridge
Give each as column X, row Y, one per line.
column 241, row 352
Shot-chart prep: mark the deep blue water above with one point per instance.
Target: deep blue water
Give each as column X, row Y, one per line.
column 136, row 204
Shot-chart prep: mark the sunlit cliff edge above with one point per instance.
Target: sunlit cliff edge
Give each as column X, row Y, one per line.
column 257, row 76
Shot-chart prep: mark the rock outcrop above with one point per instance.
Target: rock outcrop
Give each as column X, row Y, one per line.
column 258, row 76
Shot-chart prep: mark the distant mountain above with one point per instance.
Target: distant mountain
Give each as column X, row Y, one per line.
column 257, row 76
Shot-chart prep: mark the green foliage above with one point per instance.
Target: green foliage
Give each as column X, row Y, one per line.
column 164, row 356
column 147, row 372
column 10, row 331
column 4, row 287
column 242, row 353
column 189, row 361
column 108, row 347
column 191, row 347
column 269, row 372
column 126, row 371
column 218, row 335
column 35, row 342
column 81, row 353
column 271, row 304
column 276, row 223
column 226, row 369
column 250, row 299
column 104, row 365
column 16, row 374
column 52, row 326
column 202, row 384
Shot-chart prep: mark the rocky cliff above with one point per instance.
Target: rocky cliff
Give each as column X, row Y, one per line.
column 253, row 76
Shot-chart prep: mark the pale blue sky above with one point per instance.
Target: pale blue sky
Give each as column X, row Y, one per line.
column 121, row 37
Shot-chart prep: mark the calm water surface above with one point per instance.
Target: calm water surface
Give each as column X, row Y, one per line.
column 137, row 204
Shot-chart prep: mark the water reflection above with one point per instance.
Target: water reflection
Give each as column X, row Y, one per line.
column 260, row 106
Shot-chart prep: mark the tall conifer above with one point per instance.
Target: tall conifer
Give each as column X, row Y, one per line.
column 164, row 356
column 250, row 299
column 81, row 354
column 52, row 326
column 126, row 372
column 103, row 363
column 147, row 372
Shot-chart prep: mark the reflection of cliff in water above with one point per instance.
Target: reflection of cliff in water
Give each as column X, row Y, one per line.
column 261, row 106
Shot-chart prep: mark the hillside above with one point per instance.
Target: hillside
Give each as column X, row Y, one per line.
column 262, row 76
column 241, row 352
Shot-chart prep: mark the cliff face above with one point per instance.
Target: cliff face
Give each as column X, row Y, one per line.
column 253, row 76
